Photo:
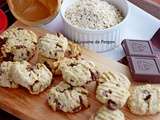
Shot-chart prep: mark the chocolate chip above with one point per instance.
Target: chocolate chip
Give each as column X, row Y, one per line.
column 50, row 52
column 73, row 64
column 20, row 29
column 110, row 92
column 31, row 87
column 49, row 97
column 94, row 76
column 28, row 53
column 117, row 85
column 9, row 57
column 58, row 34
column 20, row 46
column 147, row 95
column 71, row 88
column 58, row 45
column 47, row 65
column 55, row 54
column 72, row 80
column 111, row 105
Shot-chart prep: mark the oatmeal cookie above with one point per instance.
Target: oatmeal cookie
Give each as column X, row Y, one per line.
column 52, row 46
column 73, row 51
column 5, row 79
column 106, row 114
column 66, row 98
column 78, row 72
column 18, row 44
column 35, row 78
column 144, row 100
column 113, row 90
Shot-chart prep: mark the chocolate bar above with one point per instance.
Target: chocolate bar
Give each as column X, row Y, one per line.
column 138, row 48
column 142, row 60
column 144, row 69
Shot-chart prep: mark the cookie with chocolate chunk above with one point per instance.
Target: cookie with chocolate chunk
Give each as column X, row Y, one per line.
column 73, row 51
column 18, row 44
column 5, row 78
column 35, row 78
column 51, row 49
column 106, row 114
column 113, row 90
column 52, row 46
column 66, row 98
column 144, row 100
column 78, row 72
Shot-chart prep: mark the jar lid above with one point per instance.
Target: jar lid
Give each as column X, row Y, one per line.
column 3, row 21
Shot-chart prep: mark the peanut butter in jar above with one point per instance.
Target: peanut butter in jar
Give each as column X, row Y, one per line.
column 34, row 12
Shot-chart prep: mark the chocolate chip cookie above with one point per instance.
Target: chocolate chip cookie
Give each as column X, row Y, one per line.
column 35, row 78
column 78, row 72
column 73, row 51
column 52, row 46
column 18, row 44
column 106, row 114
column 66, row 98
column 5, row 78
column 113, row 90
column 144, row 100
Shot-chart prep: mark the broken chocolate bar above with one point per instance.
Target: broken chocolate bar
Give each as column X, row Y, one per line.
column 144, row 69
column 138, row 48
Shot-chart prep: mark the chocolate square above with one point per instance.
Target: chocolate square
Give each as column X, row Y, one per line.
column 144, row 69
column 138, row 48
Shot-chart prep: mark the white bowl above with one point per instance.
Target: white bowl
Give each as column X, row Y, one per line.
column 98, row 40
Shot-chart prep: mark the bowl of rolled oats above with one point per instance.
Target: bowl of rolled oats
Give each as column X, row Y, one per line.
column 95, row 24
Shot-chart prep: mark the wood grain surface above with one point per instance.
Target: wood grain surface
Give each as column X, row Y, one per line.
column 34, row 107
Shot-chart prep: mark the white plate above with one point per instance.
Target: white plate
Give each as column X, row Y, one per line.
column 141, row 26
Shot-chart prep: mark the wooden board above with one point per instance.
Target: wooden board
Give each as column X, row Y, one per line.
column 34, row 107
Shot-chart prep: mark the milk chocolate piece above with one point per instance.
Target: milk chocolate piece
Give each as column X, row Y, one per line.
column 144, row 69
column 138, row 48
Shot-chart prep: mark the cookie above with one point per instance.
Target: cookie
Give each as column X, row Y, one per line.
column 113, row 90
column 52, row 46
column 52, row 65
column 78, row 72
column 35, row 78
column 73, row 50
column 5, row 79
column 66, row 98
column 106, row 114
column 144, row 100
column 114, row 78
column 18, row 44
